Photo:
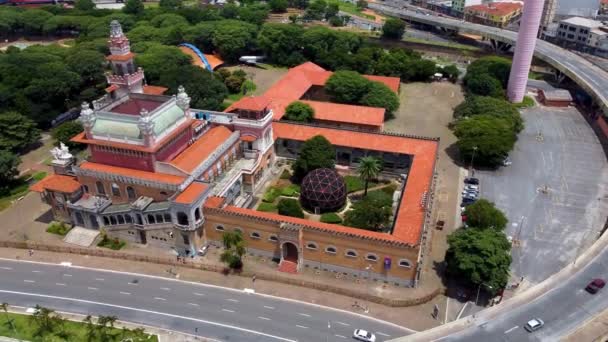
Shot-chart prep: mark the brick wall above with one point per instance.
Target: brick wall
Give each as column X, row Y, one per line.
column 145, row 163
column 175, row 146
column 140, row 190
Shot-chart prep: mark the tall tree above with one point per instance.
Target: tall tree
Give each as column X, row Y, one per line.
column 393, row 28
column 379, row 95
column 234, row 249
column 489, row 138
column 9, row 163
column 347, row 86
column 204, row 90
column 316, row 152
column 170, row 4
column 135, row 7
column 484, row 214
column 279, row 41
column 479, row 256
column 299, row 111
column 17, row 132
column 369, row 168
column 84, row 5
column 278, row 6
column 485, row 105
column 233, row 38
column 46, row 320
column 66, row 131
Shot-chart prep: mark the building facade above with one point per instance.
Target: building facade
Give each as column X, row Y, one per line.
column 498, row 14
column 583, row 34
column 166, row 175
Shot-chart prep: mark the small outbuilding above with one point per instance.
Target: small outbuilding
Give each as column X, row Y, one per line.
column 555, row 97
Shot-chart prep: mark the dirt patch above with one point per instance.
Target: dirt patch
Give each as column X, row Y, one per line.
column 263, row 78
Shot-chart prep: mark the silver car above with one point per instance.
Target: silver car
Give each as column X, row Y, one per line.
column 534, row 324
column 364, row 335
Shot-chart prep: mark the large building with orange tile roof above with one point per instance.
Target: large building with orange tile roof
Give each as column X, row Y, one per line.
column 160, row 173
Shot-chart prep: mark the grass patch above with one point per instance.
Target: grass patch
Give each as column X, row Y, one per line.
column 149, row 4
column 58, row 228
column 114, row 244
column 38, row 176
column 444, row 44
column 331, row 218
column 351, row 9
column 526, row 103
column 235, row 97
column 18, row 189
column 285, row 174
column 271, row 194
column 354, row 183
column 389, row 190
column 290, row 190
column 26, row 329
column 267, row 207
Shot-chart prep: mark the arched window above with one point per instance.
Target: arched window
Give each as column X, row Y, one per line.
column 167, row 217
column 128, row 218
column 112, row 220
column 139, row 219
column 312, row 245
column 106, row 221
column 197, row 214
column 159, row 218
column 85, row 188
column 121, row 219
column 219, row 228
column 151, row 219
column 331, row 250
column 405, row 263
column 100, row 189
column 273, row 238
column 182, row 218
column 115, row 190
column 131, row 193
column 255, row 235
column 371, row 257
column 351, row 253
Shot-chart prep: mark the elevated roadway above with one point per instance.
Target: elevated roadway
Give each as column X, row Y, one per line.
column 588, row 76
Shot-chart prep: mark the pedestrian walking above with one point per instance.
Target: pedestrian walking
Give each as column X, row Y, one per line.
column 31, row 252
column 253, row 279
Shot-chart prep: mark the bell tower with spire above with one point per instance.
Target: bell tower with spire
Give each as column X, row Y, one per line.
column 124, row 78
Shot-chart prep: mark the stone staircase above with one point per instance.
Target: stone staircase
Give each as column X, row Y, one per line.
column 81, row 236
column 288, row 267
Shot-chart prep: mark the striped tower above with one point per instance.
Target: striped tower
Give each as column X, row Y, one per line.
column 524, row 49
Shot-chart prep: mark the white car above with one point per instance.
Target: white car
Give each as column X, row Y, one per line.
column 534, row 324
column 507, row 161
column 364, row 335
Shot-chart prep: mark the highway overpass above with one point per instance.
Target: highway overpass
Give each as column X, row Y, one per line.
column 588, row 76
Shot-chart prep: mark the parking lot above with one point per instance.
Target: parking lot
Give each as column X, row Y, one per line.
column 554, row 193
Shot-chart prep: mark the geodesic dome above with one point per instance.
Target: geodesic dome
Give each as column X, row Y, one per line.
column 324, row 189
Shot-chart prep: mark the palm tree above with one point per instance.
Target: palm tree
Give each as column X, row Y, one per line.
column 234, row 249
column 369, row 168
column 9, row 320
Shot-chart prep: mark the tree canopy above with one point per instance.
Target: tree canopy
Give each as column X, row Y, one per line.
column 205, row 91
column 485, row 105
column 347, row 86
column 370, row 213
column 490, row 138
column 278, row 6
column 17, row 132
column 483, row 214
column 479, row 256
column 379, row 95
column 66, row 131
column 234, row 249
column 393, row 28
column 9, row 163
column 135, row 7
column 315, row 153
column 299, row 111
column 290, row 207
column 488, row 76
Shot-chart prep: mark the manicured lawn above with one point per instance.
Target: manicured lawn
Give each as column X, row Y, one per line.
column 354, row 183
column 26, row 328
column 38, row 176
column 58, row 228
column 331, row 218
column 267, row 207
column 526, row 103
column 290, row 190
column 19, row 189
column 350, row 8
column 271, row 194
column 114, row 244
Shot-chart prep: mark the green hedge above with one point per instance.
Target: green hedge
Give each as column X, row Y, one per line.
column 114, row 244
column 290, row 207
column 267, row 207
column 331, row 218
column 271, row 194
column 290, row 190
column 58, row 228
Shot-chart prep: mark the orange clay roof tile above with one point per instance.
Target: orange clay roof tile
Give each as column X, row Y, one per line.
column 392, row 83
column 154, row 90
column 252, row 103
column 196, row 153
column 410, row 218
column 59, row 183
column 193, row 192
column 214, row 202
column 122, row 171
column 121, row 58
column 327, row 111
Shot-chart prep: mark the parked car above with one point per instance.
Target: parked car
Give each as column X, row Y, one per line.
column 507, row 161
column 470, row 196
column 471, row 180
column 471, row 187
column 467, row 201
column 534, row 324
column 203, row 250
column 364, row 335
column 595, row 285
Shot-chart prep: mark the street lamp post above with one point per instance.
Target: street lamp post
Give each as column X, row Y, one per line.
column 479, row 289
column 369, row 270
column 473, row 156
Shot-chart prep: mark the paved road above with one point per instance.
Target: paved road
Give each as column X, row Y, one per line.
column 588, row 76
column 218, row 313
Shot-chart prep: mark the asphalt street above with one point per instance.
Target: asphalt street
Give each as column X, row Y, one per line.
column 591, row 77
column 219, row 313
column 562, row 308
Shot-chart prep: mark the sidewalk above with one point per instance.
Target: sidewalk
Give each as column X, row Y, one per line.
column 415, row 317
column 595, row 329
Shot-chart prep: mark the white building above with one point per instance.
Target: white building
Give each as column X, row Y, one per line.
column 583, row 34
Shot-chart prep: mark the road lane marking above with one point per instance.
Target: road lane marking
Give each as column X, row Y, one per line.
column 99, row 279
column 165, row 288
column 383, row 334
column 125, row 293
column 67, row 275
column 93, row 288
column 264, row 318
column 508, row 331
column 132, row 283
column 269, row 307
column 301, row 326
column 223, row 325
column 344, row 324
column 6, row 268
column 340, row 336
column 193, row 304
column 36, row 271
column 232, row 300
column 198, row 294
column 303, row 314
column 159, row 298
column 28, row 281
column 227, row 310
column 60, row 284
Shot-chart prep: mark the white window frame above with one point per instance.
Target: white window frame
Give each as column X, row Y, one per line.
column 220, row 228
column 409, row 263
column 367, row 257
column 346, row 253
column 252, row 235
column 316, row 246
column 273, row 238
column 329, row 252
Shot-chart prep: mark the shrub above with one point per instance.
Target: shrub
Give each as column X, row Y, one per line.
column 331, row 218
column 271, row 194
column 299, row 111
column 114, row 244
column 267, row 207
column 58, row 228
column 290, row 190
column 290, row 207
